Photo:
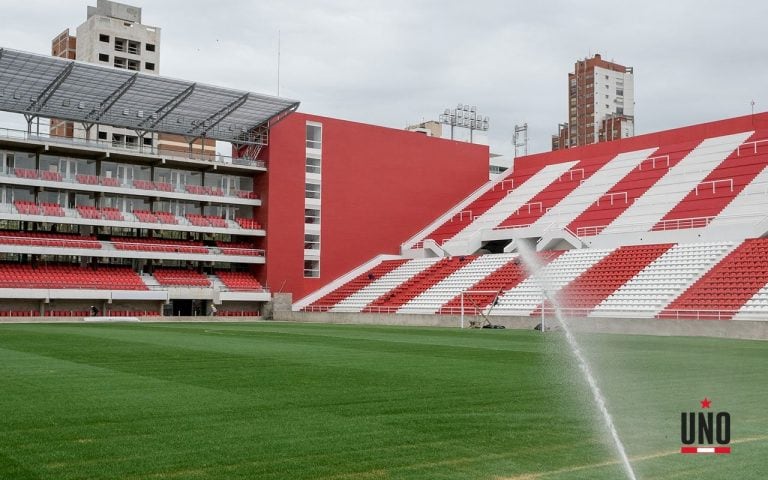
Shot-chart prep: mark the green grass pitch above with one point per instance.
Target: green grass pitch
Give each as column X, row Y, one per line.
column 304, row 401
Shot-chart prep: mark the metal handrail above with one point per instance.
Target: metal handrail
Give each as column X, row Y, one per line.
column 141, row 149
column 117, row 183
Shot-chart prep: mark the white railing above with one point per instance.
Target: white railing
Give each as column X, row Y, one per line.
column 317, row 308
column 652, row 161
column 140, row 149
column 589, row 231
column 677, row 224
column 570, row 174
column 512, row 227
column 726, row 181
column 662, row 225
column 681, row 223
column 462, row 214
column 687, row 314
column 549, row 311
column 503, row 183
column 530, row 206
column 754, row 145
column 613, row 195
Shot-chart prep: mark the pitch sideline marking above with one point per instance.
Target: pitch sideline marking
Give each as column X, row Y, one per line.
column 538, row 475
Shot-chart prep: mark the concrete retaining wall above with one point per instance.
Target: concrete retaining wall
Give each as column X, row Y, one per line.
column 755, row 330
column 739, row 329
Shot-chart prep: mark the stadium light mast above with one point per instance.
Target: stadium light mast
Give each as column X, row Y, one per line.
column 464, row 116
column 520, row 139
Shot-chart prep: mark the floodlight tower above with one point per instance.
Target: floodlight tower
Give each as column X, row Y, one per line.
column 520, row 139
column 464, row 116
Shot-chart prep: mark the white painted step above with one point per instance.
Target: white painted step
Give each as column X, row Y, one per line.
column 358, row 300
column 513, row 201
column 673, row 187
column 593, row 188
column 528, row 294
column 431, row 300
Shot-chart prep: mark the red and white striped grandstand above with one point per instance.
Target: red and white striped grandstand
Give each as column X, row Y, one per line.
column 665, row 225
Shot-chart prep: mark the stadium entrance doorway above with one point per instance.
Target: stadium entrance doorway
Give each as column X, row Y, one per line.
column 182, row 308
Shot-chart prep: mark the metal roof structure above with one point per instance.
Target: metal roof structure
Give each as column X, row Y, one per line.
column 52, row 87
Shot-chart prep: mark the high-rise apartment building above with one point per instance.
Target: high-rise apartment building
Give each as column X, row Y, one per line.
column 113, row 35
column 601, row 104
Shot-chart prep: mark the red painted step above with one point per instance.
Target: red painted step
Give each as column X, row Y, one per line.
column 605, row 277
column 400, row 295
column 460, row 221
column 607, row 208
column 326, row 302
column 727, row 286
column 502, row 279
column 720, row 187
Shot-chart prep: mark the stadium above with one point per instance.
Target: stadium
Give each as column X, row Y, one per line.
column 290, row 311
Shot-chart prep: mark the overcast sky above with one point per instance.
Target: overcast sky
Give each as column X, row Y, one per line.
column 396, row 62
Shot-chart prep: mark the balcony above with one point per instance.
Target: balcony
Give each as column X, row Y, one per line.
column 53, row 213
column 44, row 243
column 50, row 179
column 139, row 149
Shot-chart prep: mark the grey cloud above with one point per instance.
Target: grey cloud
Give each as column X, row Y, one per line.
column 391, row 62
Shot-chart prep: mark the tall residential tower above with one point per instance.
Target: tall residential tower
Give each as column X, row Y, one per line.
column 113, row 35
column 601, row 104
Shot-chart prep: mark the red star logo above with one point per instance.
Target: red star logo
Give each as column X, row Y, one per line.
column 706, row 403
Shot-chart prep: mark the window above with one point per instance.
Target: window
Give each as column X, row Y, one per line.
column 312, row 190
column 119, row 62
column 311, row 215
column 133, row 65
column 620, row 110
column 148, row 141
column 313, row 165
column 102, row 135
column 104, row 38
column 311, row 268
column 311, row 241
column 120, row 44
column 620, row 92
column 134, row 47
column 314, row 136
column 150, row 47
column 149, row 65
column 103, row 57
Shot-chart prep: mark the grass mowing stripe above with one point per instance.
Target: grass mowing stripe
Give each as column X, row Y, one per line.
column 278, row 401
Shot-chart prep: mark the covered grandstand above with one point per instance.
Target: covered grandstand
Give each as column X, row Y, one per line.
column 129, row 230
column 664, row 225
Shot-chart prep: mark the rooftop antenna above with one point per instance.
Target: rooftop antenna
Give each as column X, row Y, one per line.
column 278, row 63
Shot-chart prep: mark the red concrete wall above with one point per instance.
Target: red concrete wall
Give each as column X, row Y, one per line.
column 379, row 187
